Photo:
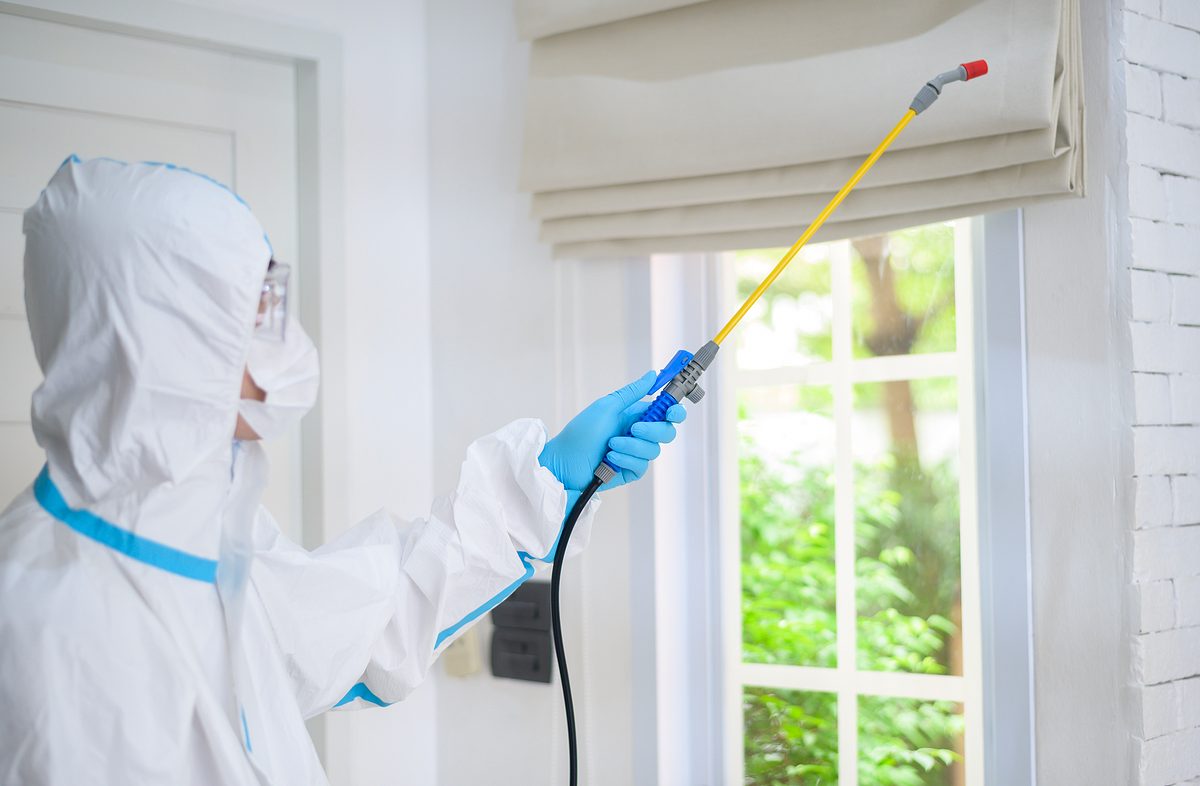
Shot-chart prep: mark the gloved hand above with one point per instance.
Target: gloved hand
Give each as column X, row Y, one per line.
column 599, row 432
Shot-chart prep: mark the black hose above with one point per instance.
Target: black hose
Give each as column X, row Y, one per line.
column 556, row 623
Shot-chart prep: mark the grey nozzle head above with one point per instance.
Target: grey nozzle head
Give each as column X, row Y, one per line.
column 925, row 98
column 933, row 88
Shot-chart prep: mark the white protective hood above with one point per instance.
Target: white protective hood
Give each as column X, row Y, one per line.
column 141, row 285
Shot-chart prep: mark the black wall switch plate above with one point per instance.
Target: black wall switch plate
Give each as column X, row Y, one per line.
column 520, row 654
column 521, row 643
column 528, row 607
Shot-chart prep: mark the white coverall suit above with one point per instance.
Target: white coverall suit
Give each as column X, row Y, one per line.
column 155, row 625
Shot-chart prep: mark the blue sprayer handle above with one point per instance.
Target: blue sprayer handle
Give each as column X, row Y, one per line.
column 657, row 411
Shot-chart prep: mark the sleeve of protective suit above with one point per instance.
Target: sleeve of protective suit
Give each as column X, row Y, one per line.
column 359, row 621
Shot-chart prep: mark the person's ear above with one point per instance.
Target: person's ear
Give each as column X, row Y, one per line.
column 250, row 388
column 243, row 431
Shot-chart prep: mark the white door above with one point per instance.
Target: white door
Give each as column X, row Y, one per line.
column 65, row 89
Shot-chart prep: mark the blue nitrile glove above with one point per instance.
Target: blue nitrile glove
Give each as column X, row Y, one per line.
column 600, row 432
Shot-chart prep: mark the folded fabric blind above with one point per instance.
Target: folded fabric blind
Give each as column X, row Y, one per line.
column 540, row 18
column 729, row 123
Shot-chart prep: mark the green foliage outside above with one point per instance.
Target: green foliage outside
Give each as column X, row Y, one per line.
column 805, row 283
column 788, row 611
column 906, row 526
column 922, row 266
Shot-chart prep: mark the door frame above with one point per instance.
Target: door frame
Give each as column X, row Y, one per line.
column 317, row 59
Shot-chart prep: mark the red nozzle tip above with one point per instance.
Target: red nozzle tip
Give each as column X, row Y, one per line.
column 975, row 68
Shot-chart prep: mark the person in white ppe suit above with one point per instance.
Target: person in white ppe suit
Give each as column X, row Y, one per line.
column 155, row 625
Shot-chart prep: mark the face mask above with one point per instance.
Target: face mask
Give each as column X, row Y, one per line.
column 289, row 372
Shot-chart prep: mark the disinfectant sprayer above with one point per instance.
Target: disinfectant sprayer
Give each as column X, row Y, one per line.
column 679, row 380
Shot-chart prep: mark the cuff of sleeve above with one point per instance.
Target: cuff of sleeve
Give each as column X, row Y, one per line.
column 504, row 466
column 583, row 527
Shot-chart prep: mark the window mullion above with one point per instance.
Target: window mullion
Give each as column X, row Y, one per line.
column 877, row 369
column 894, row 684
column 847, row 609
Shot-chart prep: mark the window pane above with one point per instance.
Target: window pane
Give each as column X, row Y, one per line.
column 790, row 325
column 787, row 535
column 903, row 292
column 907, row 742
column 790, row 737
column 905, row 437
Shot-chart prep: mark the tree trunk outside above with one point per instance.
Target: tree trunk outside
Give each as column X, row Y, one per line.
column 894, row 332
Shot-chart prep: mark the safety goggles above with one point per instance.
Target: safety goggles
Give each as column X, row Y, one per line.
column 271, row 321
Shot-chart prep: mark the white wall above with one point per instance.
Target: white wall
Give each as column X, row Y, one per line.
column 511, row 328
column 1114, row 338
column 493, row 291
column 1161, row 69
column 1079, row 453
column 388, row 367
column 1114, row 326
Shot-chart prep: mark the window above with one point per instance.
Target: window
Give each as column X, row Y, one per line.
column 853, row 655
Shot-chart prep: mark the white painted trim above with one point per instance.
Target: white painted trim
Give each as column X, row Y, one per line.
column 658, row 624
column 968, row 491
column 317, row 58
column 675, row 644
column 1006, row 591
column 714, row 470
column 729, row 502
column 176, row 22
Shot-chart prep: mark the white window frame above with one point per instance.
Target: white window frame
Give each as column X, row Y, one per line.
column 841, row 373
column 698, row 724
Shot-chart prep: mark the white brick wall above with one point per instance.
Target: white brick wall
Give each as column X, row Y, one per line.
column 1151, row 295
column 1162, row 126
column 1152, row 397
column 1185, row 13
column 1185, row 506
column 1169, row 247
column 1181, row 196
column 1181, row 100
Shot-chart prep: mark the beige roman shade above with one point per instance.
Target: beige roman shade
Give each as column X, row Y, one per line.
column 686, row 125
column 541, row 18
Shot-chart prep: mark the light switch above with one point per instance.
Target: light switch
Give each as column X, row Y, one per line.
column 463, row 657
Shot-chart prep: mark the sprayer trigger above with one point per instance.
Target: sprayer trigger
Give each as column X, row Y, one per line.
column 681, row 359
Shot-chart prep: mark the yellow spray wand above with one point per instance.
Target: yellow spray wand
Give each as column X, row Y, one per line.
column 679, row 379
column 814, row 226
column 932, row 88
